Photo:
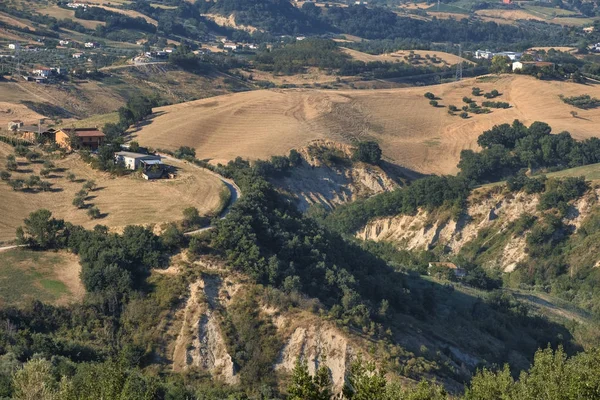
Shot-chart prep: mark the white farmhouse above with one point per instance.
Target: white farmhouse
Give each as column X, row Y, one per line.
column 134, row 161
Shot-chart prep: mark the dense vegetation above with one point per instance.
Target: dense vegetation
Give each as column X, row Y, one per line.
column 509, row 148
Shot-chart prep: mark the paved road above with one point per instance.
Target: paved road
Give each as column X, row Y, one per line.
column 234, row 190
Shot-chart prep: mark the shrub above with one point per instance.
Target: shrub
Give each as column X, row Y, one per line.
column 368, row 152
column 476, row 91
column 496, row 104
column 44, row 186
column 49, row 165
column 185, row 152
column 32, row 181
column 467, row 100
column 45, row 172
column 5, row 175
column 295, row 158
column 464, row 115
column 21, row 151
column 433, row 103
column 79, row 201
column 452, row 108
column 16, row 184
column 12, row 165
column 430, row 96
column 89, row 185
column 93, row 212
column 71, row 176
column 191, row 217
column 32, row 156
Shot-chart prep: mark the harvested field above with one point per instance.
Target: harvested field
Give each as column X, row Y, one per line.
column 511, row 15
column 399, row 56
column 124, row 200
column 411, row 133
column 51, row 277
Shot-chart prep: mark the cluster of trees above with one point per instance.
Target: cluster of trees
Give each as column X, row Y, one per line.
column 114, row 21
column 584, row 102
column 428, row 193
column 509, row 148
column 136, row 109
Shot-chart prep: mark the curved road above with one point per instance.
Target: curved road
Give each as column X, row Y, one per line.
column 234, row 190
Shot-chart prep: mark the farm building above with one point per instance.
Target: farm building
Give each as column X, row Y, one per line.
column 15, row 124
column 89, row 138
column 518, row 65
column 134, row 161
column 458, row 272
column 34, row 133
column 14, row 46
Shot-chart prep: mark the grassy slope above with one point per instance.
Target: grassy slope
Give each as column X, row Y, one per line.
column 125, row 200
column 47, row 276
column 411, row 132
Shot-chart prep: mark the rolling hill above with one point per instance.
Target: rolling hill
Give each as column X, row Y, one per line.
column 411, row 133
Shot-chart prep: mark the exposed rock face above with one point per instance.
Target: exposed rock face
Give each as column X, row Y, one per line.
column 317, row 183
column 319, row 344
column 200, row 342
column 495, row 210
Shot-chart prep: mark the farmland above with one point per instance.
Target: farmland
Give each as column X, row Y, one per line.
column 122, row 200
column 411, row 133
column 419, row 57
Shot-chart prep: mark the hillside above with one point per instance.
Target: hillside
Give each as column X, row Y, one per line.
column 411, row 133
column 122, row 200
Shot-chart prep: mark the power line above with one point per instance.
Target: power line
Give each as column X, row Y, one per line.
column 459, row 65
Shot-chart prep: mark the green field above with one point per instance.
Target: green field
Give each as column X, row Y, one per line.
column 35, row 275
column 590, row 172
column 97, row 120
column 447, row 8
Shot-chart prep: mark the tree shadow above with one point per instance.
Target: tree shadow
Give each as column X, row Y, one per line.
column 90, row 198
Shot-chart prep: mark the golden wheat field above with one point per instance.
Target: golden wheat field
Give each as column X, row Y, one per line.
column 124, row 200
column 411, row 133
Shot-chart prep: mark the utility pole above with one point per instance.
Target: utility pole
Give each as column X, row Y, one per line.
column 459, row 65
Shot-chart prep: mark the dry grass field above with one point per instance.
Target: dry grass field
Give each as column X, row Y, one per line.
column 62, row 13
column 402, row 56
column 51, row 277
column 130, row 13
column 124, row 200
column 411, row 133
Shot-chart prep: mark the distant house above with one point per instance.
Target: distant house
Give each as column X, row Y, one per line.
column 484, row 54
column 230, row 46
column 15, row 124
column 63, row 42
column 42, row 71
column 89, row 138
column 518, row 65
column 458, row 272
column 77, row 55
column 588, row 29
column 91, row 45
column 506, row 1
column 134, row 161
column 14, row 46
column 513, row 56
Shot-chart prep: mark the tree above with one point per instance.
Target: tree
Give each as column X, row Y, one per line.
column 306, row 387
column 16, row 184
column 44, row 186
column 94, row 212
column 32, row 181
column 41, row 230
column 185, row 152
column 134, row 146
column 368, row 152
column 5, row 175
column 71, row 176
column 500, row 64
column 364, row 382
column 171, row 237
column 78, row 201
column 89, row 185
column 295, row 158
column 430, row 96
column 464, row 115
column 191, row 217
column 35, row 381
column 433, row 103
column 32, row 156
column 11, row 163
